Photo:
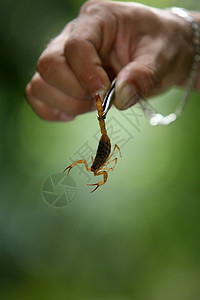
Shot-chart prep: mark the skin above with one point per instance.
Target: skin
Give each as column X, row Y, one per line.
column 148, row 49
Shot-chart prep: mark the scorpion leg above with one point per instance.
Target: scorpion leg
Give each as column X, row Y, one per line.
column 115, row 147
column 108, row 162
column 81, row 161
column 98, row 184
column 107, row 169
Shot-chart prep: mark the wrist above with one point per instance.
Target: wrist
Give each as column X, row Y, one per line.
column 192, row 38
column 193, row 76
column 196, row 17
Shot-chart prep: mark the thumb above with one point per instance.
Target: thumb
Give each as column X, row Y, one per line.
column 134, row 81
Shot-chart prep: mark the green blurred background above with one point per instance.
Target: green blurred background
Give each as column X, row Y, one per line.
column 137, row 237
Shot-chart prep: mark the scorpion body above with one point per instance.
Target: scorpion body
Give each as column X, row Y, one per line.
column 103, row 152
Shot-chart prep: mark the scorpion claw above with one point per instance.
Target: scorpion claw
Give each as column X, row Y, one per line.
column 91, row 184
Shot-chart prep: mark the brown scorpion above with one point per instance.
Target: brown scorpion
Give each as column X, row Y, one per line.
column 101, row 161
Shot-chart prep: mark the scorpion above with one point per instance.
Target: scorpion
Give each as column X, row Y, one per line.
column 103, row 155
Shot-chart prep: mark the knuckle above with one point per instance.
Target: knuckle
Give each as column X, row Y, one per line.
column 91, row 6
column 98, row 12
column 46, row 65
column 71, row 45
column 34, row 87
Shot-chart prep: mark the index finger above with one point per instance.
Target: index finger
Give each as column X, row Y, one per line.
column 81, row 52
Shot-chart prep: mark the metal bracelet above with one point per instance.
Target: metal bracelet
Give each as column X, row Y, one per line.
column 156, row 118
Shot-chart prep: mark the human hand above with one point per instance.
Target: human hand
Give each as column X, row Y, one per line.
column 148, row 49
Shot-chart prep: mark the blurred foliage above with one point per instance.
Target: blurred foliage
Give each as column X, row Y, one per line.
column 135, row 238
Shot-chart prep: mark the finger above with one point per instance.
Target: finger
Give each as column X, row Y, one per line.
column 135, row 80
column 47, row 113
column 43, row 110
column 81, row 51
column 54, row 69
column 54, row 98
column 151, row 72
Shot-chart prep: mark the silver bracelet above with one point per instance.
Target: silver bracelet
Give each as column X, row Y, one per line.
column 156, row 118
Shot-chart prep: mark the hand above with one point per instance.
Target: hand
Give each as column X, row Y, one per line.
column 148, row 49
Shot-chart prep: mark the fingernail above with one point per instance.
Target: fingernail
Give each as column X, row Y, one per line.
column 132, row 101
column 126, row 95
column 65, row 117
